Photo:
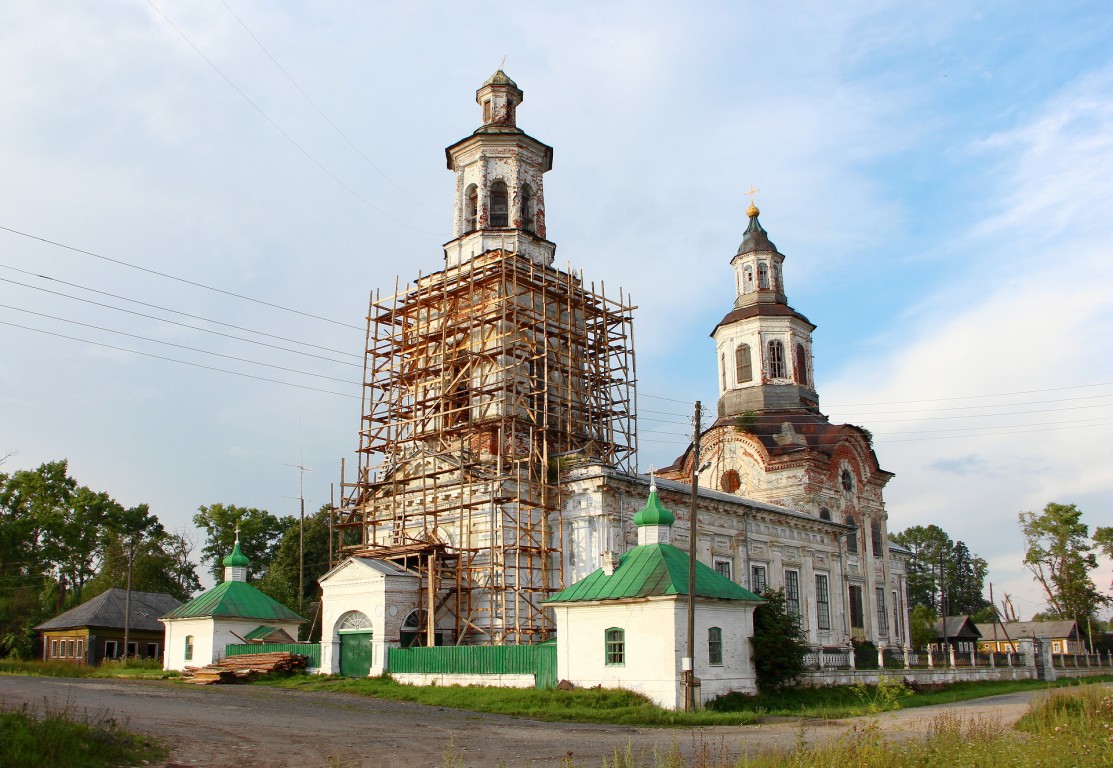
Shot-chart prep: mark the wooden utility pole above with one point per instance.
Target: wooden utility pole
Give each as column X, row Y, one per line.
column 127, row 597
column 689, row 674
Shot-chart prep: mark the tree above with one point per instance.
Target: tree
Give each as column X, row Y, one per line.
column 259, row 533
column 155, row 568
column 943, row 575
column 965, row 585
column 281, row 579
column 1103, row 538
column 779, row 643
column 921, row 626
column 1060, row 557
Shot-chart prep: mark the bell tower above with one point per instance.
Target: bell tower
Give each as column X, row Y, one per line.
column 500, row 197
column 764, row 346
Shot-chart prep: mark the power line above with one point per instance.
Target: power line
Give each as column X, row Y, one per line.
column 280, row 129
column 180, row 279
column 173, row 311
column 182, row 346
column 969, row 397
column 320, row 112
column 181, row 362
column 175, row 322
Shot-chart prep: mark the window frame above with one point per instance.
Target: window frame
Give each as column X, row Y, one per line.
column 188, row 648
column 759, row 578
column 776, row 351
column 801, row 365
column 714, row 646
column 882, row 612
column 856, row 607
column 115, row 648
column 728, row 568
column 793, row 602
column 876, row 538
column 743, row 364
column 614, row 647
column 822, row 602
column 499, row 191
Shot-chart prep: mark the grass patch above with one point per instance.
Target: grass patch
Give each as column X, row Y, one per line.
column 842, row 701
column 130, row 668
column 594, row 705
column 61, row 737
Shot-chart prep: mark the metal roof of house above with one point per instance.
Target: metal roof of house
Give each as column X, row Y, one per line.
column 957, row 627
column 107, row 610
column 1017, row 629
column 652, row 570
column 234, row 599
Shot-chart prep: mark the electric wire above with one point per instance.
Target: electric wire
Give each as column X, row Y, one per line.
column 182, row 346
column 175, row 311
column 183, row 325
column 281, row 130
column 181, row 362
column 168, row 276
column 320, row 112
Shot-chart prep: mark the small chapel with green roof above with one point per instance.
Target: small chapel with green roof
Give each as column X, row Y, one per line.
column 231, row 612
column 625, row 624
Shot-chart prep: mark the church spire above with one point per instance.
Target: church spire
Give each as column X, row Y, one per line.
column 500, row 198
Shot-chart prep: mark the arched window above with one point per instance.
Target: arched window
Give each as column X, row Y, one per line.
column 527, row 208
column 189, row 648
column 743, row 368
column 776, row 359
column 824, row 513
column 715, row 646
column 875, row 535
column 801, row 365
column 723, row 372
column 847, row 481
column 471, row 208
column 614, row 647
column 353, row 621
column 852, row 536
column 500, row 210
column 762, row 275
column 747, row 279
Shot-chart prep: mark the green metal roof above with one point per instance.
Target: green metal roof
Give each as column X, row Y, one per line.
column 654, row 512
column 234, row 599
column 237, row 559
column 649, row 571
column 260, row 632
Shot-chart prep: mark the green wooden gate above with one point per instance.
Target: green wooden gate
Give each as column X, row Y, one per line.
column 355, row 654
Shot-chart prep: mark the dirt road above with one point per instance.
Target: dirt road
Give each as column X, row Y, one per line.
column 256, row 727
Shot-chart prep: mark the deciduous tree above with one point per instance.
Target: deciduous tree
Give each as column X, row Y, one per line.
column 1060, row 557
column 259, row 533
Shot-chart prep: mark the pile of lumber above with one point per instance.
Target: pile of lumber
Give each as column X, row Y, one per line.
column 234, row 669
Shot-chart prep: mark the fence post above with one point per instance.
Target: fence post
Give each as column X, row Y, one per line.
column 907, row 657
column 951, row 654
column 881, row 656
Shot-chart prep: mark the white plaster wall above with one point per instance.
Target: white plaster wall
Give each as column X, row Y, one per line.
column 176, row 632
column 384, row 599
column 656, row 634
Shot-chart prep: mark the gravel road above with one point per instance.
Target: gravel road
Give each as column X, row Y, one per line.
column 257, row 727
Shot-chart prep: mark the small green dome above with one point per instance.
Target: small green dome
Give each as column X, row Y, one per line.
column 237, row 559
column 653, row 513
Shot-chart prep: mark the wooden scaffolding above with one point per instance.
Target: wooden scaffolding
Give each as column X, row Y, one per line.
column 483, row 384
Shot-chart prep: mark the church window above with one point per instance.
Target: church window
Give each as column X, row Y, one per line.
column 715, row 646
column 852, row 537
column 847, row 481
column 500, row 211
column 875, row 535
column 762, row 275
column 471, row 208
column 792, row 593
column 188, row 648
column 857, row 616
column 722, row 567
column 747, row 279
column 776, row 359
column 723, row 372
column 824, row 513
column 614, row 645
column 743, row 367
column 527, row 208
column 882, row 614
column 757, row 578
column 822, row 602
column 730, row 481
column 801, row 365
column 487, row 111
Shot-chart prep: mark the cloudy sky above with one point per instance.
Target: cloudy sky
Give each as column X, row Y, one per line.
column 227, row 180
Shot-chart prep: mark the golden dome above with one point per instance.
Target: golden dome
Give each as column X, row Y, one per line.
column 752, row 211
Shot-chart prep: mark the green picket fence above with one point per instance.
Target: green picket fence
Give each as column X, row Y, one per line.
column 538, row 660
column 312, row 650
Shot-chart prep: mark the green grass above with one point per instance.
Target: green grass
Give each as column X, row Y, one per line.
column 61, row 737
column 841, row 701
column 131, row 668
column 595, row 705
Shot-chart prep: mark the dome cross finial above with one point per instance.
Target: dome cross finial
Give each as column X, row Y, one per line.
column 752, row 210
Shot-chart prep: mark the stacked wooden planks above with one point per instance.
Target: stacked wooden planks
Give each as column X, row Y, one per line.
column 234, row 669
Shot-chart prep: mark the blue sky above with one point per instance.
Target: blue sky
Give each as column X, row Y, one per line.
column 939, row 177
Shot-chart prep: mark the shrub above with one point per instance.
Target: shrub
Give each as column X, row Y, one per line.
column 779, row 643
